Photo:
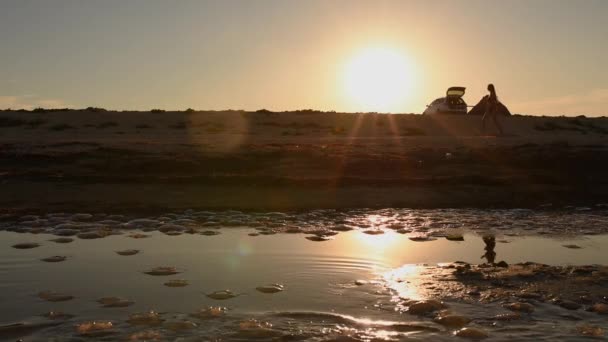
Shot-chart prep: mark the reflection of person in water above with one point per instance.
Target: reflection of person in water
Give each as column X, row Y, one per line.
column 489, row 255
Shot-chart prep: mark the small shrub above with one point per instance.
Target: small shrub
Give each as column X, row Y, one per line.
column 548, row 126
column 576, row 122
column 35, row 123
column 11, row 122
column 157, row 110
column 95, row 109
column 190, row 110
column 50, row 110
column 61, row 127
column 307, row 111
column 577, row 126
column 107, row 124
column 179, row 125
column 297, row 125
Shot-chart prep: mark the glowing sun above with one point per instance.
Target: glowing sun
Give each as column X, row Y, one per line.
column 378, row 79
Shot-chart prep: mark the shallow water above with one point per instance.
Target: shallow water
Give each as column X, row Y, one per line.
column 343, row 289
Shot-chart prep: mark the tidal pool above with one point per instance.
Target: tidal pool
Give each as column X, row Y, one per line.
column 389, row 285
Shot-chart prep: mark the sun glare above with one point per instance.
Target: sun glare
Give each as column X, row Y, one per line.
column 378, row 243
column 378, row 79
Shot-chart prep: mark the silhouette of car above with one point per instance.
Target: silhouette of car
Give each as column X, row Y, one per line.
column 452, row 103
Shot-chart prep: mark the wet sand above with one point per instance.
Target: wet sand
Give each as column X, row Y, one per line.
column 144, row 161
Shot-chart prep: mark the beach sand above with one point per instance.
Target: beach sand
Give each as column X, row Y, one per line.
column 138, row 161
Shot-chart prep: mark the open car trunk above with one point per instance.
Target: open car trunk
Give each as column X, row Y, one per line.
column 454, row 99
column 455, row 91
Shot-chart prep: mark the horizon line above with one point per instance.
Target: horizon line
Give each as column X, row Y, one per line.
column 262, row 110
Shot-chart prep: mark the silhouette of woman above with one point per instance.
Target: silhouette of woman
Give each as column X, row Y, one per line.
column 491, row 109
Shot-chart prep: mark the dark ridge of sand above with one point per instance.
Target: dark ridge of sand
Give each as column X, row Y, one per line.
column 143, row 161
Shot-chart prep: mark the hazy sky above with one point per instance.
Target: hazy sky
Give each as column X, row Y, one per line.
column 545, row 57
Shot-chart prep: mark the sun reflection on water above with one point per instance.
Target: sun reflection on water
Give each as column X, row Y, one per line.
column 405, row 281
column 377, row 244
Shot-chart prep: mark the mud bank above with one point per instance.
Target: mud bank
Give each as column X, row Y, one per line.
column 109, row 161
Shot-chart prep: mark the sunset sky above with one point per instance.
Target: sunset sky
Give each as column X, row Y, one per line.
column 545, row 57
